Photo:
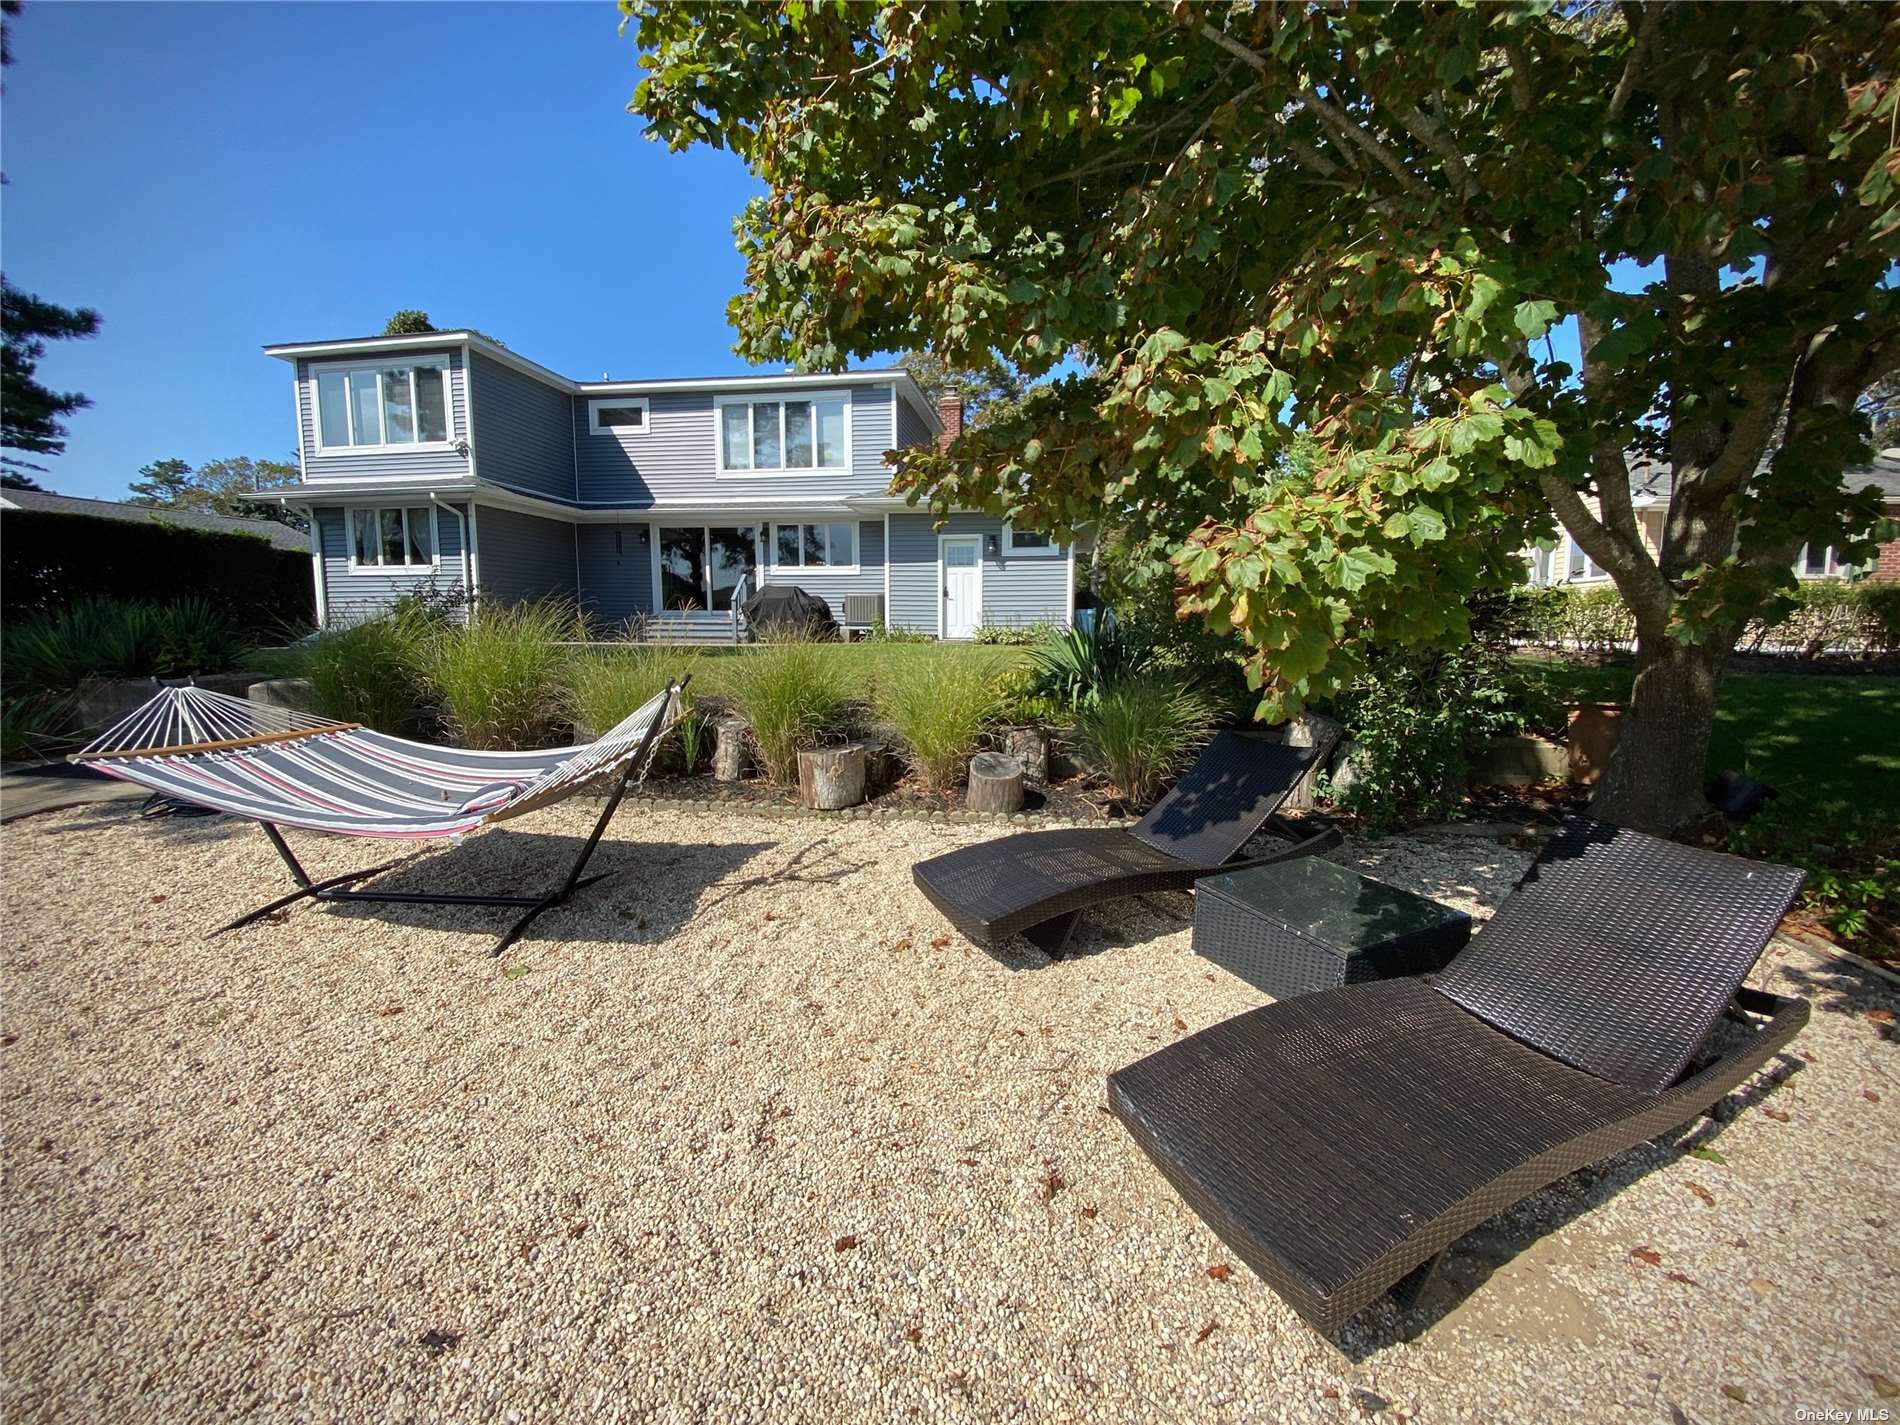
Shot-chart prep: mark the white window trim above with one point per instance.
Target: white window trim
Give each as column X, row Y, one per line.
column 1051, row 550
column 750, row 399
column 435, row 540
column 320, row 368
column 656, row 528
column 594, row 427
column 802, row 570
column 1834, row 569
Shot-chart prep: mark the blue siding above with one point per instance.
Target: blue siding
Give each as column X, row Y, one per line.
column 1017, row 589
column 350, row 598
column 441, row 464
column 911, row 429
column 523, row 436
column 523, row 557
column 616, row 570
column 674, row 461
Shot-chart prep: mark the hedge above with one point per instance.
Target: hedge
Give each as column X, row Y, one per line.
column 1829, row 616
column 51, row 561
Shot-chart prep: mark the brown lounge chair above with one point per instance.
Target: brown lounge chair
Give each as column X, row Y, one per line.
column 1339, row 1142
column 1037, row 884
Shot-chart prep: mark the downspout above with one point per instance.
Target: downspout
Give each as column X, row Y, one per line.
column 316, row 561
column 461, row 526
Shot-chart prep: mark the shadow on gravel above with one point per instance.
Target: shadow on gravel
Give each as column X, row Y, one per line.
column 1844, row 988
column 1481, row 1252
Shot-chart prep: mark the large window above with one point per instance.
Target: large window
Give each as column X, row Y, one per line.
column 383, row 406
column 392, row 538
column 700, row 567
column 809, row 433
column 815, row 546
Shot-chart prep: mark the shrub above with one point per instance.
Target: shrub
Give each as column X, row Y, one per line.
column 371, row 671
column 500, row 676
column 1144, row 729
column 102, row 638
column 789, row 694
column 35, row 725
column 1415, row 713
column 1010, row 635
column 940, row 706
column 1074, row 665
column 880, row 632
column 605, row 684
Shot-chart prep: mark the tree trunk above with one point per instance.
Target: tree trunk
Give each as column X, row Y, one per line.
column 831, row 778
column 729, row 749
column 1656, row 777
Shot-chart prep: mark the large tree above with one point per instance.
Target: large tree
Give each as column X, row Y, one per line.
column 218, row 487
column 1366, row 223
column 32, row 415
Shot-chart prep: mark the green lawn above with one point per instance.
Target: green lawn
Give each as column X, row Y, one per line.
column 1830, row 745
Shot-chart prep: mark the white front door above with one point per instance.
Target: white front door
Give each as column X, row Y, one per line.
column 961, row 559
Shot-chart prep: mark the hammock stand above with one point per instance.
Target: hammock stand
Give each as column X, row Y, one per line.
column 164, row 745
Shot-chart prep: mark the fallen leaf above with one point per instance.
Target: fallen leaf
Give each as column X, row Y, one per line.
column 1708, row 1155
column 1776, row 1114
column 1646, row 1254
column 771, row 915
column 1220, row 1271
column 1051, row 1185
column 1090, row 1210
column 903, row 944
column 1870, row 1095
column 913, row 1334
column 1370, row 1402
column 939, row 942
column 389, row 1009
column 1736, row 1394
column 1679, row 1277
column 514, row 972
column 1180, row 1023
column 1207, row 1330
column 967, row 1162
column 1761, row 1286
column 1884, row 1386
column 1328, row 1392
column 1212, row 981
column 1708, row 1198
column 1880, row 1016
column 844, row 1244
column 160, row 900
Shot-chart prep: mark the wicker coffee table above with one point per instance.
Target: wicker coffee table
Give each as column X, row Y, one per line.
column 1305, row 925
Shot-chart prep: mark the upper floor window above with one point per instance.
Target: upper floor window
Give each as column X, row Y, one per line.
column 617, row 415
column 387, row 406
column 815, row 546
column 400, row 538
column 806, row 433
column 1022, row 541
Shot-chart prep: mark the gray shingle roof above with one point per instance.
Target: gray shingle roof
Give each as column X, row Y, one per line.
column 46, row 502
column 1655, row 481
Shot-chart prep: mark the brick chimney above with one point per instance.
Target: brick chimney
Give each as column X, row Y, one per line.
column 950, row 412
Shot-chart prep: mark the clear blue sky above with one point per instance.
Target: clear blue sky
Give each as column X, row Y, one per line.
column 212, row 178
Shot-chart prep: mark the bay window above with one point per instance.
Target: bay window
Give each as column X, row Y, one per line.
column 791, row 434
column 390, row 404
column 400, row 537
column 815, row 546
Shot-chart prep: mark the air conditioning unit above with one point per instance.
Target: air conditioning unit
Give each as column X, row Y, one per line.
column 863, row 610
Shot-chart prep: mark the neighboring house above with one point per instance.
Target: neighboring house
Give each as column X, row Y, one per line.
column 45, row 502
column 446, row 461
column 1650, row 489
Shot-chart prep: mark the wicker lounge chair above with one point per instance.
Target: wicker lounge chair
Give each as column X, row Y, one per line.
column 1339, row 1142
column 1037, row 884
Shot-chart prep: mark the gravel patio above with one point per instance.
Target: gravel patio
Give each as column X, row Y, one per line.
column 746, row 1133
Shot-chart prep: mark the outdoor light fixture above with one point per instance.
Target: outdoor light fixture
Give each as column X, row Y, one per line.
column 991, row 546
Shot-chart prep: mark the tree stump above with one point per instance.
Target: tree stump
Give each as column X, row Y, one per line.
column 1030, row 746
column 1309, row 730
column 996, row 783
column 831, row 778
column 729, row 749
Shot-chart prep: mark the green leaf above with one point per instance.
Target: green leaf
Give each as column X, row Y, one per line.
column 1534, row 318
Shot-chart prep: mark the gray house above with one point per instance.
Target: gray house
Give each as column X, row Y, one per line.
column 445, row 460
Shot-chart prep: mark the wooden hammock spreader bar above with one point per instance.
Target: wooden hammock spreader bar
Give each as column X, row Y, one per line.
column 228, row 744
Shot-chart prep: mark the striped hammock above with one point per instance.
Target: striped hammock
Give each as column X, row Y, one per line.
column 289, row 768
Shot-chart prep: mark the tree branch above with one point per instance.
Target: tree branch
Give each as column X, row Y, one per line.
column 1651, row 19
column 1355, row 134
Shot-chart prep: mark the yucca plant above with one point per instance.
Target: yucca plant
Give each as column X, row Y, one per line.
column 501, row 677
column 36, row 725
column 1073, row 665
column 940, row 706
column 790, row 695
column 1142, row 730
column 106, row 638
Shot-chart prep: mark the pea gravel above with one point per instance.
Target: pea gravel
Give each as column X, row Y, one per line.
column 748, row 1134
